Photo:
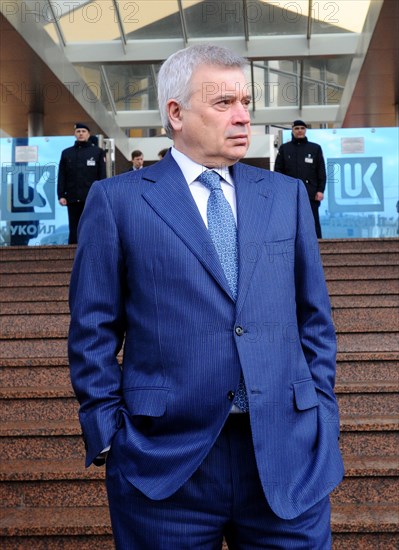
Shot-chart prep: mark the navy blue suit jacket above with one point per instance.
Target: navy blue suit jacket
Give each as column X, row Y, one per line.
column 147, row 277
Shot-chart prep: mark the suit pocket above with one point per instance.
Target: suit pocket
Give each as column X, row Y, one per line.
column 305, row 394
column 286, row 248
column 146, row 401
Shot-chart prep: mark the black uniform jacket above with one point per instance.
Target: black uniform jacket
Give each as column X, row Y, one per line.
column 79, row 167
column 300, row 158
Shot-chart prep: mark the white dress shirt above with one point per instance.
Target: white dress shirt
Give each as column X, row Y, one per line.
column 191, row 170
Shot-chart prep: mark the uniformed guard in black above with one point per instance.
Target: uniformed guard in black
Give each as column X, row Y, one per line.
column 302, row 159
column 79, row 167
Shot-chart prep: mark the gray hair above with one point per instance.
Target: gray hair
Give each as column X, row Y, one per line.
column 175, row 74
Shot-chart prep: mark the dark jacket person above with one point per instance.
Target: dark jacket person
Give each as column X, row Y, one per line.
column 80, row 166
column 303, row 159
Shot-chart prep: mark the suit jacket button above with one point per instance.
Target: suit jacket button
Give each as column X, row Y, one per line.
column 230, row 395
column 239, row 331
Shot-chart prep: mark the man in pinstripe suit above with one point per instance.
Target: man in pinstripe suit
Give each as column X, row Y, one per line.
column 186, row 463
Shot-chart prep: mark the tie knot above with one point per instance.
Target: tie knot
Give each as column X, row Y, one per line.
column 210, row 179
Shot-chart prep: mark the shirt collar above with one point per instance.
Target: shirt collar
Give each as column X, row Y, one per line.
column 191, row 170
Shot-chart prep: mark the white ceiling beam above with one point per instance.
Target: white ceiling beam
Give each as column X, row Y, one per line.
column 53, row 55
column 259, row 47
column 281, row 115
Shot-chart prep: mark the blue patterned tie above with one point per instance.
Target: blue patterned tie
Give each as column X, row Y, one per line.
column 223, row 230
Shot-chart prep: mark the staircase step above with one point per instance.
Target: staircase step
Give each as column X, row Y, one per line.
column 354, row 287
column 346, row 519
column 48, row 470
column 386, row 423
column 340, row 281
column 353, row 358
column 355, row 490
column 366, row 320
column 59, row 403
column 20, row 345
column 370, row 404
column 36, row 253
column 350, row 423
column 55, row 300
column 41, row 279
column 378, row 386
column 58, row 307
column 356, row 247
column 71, row 542
column 370, row 443
column 40, row 447
column 34, row 326
column 371, row 342
column 365, row 301
column 36, row 393
column 361, row 258
column 12, row 389
column 34, row 294
column 34, row 522
column 53, row 494
column 43, row 349
column 356, row 398
column 358, row 466
column 39, row 265
column 71, row 492
column 44, row 439
column 370, row 423
column 53, row 408
column 73, row 468
column 361, row 273
column 369, row 435
column 52, row 501
column 34, row 361
column 43, row 428
column 371, row 372
column 364, row 541
column 361, row 356
column 33, row 377
column 366, row 518
column 358, row 361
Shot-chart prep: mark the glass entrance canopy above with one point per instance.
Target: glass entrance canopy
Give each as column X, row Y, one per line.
column 303, row 53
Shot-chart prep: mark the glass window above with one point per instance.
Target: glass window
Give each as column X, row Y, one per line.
column 211, row 19
column 132, row 87
column 276, row 18
column 152, row 19
column 87, row 21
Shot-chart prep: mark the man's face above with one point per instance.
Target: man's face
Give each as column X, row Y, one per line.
column 299, row 132
column 215, row 129
column 81, row 134
column 138, row 162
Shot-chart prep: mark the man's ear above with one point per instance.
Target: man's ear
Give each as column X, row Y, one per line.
column 174, row 114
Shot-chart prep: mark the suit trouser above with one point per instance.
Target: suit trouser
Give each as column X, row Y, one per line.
column 315, row 205
column 224, row 497
column 75, row 210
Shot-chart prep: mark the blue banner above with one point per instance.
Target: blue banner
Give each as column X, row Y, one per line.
column 362, row 192
column 29, row 209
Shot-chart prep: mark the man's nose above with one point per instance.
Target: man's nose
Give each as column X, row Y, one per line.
column 241, row 114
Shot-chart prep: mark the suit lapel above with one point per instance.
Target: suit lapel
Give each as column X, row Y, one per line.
column 171, row 199
column 254, row 196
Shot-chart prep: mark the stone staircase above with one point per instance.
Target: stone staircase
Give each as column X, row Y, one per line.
column 48, row 500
